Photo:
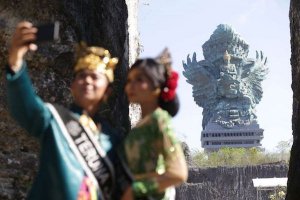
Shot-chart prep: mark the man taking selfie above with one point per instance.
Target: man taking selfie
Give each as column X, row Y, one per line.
column 78, row 158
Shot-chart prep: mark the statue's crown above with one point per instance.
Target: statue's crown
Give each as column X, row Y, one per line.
column 224, row 39
column 95, row 58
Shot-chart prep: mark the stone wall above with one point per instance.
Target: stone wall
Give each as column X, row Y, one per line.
column 98, row 22
column 227, row 183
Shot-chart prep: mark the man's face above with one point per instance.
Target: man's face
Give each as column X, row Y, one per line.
column 88, row 87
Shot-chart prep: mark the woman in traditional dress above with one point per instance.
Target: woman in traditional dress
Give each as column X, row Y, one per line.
column 153, row 154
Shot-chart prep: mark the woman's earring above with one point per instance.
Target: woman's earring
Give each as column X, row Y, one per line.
column 157, row 91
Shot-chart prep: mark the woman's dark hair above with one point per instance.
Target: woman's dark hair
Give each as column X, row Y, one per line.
column 158, row 75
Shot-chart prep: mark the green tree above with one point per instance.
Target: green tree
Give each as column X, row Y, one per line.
column 239, row 156
column 278, row 194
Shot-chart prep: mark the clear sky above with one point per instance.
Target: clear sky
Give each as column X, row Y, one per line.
column 184, row 25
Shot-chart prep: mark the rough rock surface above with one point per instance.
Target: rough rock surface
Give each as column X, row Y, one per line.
column 293, row 189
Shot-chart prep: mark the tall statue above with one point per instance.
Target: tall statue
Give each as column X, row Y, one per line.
column 226, row 84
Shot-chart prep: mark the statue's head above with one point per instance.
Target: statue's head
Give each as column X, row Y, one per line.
column 224, row 38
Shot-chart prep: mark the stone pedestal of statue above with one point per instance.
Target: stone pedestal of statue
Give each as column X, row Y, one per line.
column 214, row 136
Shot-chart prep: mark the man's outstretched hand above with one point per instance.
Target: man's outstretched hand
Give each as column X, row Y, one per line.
column 21, row 43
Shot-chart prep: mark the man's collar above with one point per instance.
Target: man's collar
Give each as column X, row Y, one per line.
column 78, row 110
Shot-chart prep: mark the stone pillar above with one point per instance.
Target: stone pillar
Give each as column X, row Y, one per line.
column 108, row 23
column 293, row 187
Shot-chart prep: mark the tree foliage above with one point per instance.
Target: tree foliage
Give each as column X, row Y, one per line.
column 278, row 193
column 241, row 156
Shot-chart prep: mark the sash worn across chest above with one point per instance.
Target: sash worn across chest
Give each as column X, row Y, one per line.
column 87, row 150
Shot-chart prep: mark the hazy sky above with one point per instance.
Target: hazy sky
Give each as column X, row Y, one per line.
column 185, row 25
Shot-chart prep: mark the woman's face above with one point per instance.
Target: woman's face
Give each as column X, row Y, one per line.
column 88, row 87
column 139, row 89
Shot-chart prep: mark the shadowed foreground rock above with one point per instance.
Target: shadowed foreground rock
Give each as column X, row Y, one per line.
column 293, row 189
column 99, row 22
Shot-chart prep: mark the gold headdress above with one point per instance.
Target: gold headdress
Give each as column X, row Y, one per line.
column 165, row 59
column 169, row 91
column 95, row 58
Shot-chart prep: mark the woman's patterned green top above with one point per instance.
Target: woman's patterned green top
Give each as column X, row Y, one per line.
column 151, row 150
